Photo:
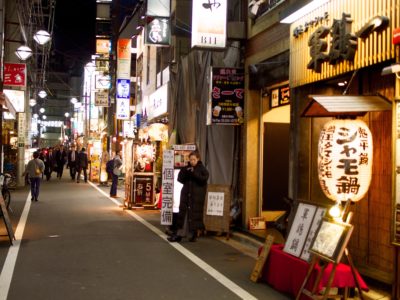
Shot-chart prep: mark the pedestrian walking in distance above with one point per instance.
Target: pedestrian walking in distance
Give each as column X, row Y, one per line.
column 190, row 217
column 34, row 169
column 82, row 165
column 72, row 159
column 116, row 171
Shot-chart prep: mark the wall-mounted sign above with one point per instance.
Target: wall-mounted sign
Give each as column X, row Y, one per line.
column 123, row 112
column 157, row 31
column 123, row 88
column 129, row 128
column 280, row 96
column 124, row 58
column 14, row 74
column 101, row 98
column 209, row 23
column 167, row 187
column 159, row 8
column 103, row 46
column 157, row 102
column 17, row 99
column 227, row 96
column 334, row 39
column 103, row 82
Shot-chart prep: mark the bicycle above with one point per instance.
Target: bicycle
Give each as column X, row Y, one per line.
column 5, row 180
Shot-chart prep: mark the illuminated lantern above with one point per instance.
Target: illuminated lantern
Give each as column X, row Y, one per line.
column 345, row 159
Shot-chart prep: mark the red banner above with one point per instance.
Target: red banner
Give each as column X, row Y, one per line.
column 396, row 36
column 15, row 74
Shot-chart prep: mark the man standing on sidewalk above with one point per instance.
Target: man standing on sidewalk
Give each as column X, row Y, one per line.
column 82, row 164
column 34, row 169
column 116, row 172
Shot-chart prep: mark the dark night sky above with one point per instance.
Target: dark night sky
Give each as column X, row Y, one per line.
column 74, row 34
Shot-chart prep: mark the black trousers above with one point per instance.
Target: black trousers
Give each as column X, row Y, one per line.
column 72, row 170
column 84, row 174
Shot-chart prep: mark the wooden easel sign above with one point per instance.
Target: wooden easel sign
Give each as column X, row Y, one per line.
column 6, row 219
column 257, row 271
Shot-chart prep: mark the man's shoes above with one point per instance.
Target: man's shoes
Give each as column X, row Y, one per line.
column 77, row 181
column 33, row 199
column 114, row 196
column 174, row 238
column 36, row 199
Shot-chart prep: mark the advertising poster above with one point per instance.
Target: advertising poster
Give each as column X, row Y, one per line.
column 14, row 74
column 227, row 96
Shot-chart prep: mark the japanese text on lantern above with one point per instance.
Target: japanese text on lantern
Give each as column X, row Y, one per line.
column 167, row 187
column 344, row 160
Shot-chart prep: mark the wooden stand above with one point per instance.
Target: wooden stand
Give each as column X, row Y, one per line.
column 313, row 294
column 6, row 219
column 257, row 271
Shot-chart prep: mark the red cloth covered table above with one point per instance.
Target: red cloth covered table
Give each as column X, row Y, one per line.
column 286, row 273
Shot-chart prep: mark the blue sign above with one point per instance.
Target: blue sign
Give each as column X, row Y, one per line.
column 123, row 88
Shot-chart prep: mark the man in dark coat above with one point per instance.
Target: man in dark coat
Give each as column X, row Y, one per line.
column 72, row 159
column 190, row 218
column 82, row 164
column 61, row 157
column 50, row 161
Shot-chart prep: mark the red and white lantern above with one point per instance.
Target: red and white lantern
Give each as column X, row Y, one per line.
column 345, row 159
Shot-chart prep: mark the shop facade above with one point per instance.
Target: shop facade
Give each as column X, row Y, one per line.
column 338, row 49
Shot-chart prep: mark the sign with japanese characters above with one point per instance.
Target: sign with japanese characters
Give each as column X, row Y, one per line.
column 157, row 31
column 215, row 204
column 14, row 74
column 101, row 98
column 157, row 102
column 167, row 187
column 143, row 190
column 305, row 254
column 123, row 112
column 339, row 37
column 280, row 96
column 299, row 230
column 124, row 58
column 209, row 23
column 227, row 96
column 345, row 159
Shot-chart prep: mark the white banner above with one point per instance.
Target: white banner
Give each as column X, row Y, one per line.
column 167, row 187
column 215, row 204
column 123, row 109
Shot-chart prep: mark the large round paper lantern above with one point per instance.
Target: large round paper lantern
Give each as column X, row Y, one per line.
column 345, row 159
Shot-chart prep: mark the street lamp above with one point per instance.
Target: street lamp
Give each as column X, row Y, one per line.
column 42, row 94
column 42, row 37
column 23, row 52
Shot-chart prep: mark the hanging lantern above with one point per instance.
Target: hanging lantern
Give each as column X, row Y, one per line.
column 345, row 159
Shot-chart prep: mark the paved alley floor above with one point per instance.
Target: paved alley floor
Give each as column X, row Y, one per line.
column 77, row 243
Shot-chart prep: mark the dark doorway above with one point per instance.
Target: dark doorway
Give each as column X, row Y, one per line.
column 275, row 166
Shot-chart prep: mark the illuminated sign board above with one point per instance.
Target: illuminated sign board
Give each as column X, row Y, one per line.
column 157, row 31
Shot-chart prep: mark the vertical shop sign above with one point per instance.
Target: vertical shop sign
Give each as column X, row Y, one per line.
column 14, row 74
column 227, row 96
column 209, row 23
column 124, row 58
column 167, row 187
column 21, row 129
column 144, row 190
column 122, row 109
column 280, row 96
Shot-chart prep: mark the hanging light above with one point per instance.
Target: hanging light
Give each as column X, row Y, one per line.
column 42, row 110
column 32, row 102
column 42, row 37
column 345, row 159
column 74, row 100
column 66, row 114
column 23, row 52
column 35, row 116
column 42, row 94
column 44, row 117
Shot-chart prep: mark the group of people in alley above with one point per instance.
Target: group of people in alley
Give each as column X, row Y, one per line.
column 194, row 178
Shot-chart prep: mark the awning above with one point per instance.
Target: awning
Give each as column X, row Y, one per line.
column 338, row 105
column 7, row 105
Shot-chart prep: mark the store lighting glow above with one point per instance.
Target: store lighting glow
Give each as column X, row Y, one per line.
column 303, row 11
column 23, row 52
column 42, row 110
column 74, row 100
column 335, row 211
column 42, row 37
column 42, row 94
column 35, row 116
column 66, row 114
column 44, row 117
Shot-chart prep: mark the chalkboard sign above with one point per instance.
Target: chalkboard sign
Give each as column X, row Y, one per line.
column 6, row 218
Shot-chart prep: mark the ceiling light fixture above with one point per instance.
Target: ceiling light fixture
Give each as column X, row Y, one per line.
column 42, row 94
column 42, row 37
column 32, row 102
column 23, row 52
